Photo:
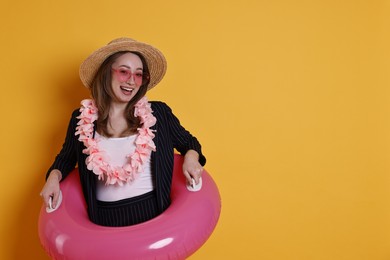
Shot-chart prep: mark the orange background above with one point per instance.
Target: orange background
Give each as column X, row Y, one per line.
column 290, row 100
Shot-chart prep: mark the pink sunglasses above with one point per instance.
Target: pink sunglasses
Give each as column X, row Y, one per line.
column 124, row 75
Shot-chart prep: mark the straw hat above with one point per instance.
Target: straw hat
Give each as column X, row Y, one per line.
column 154, row 58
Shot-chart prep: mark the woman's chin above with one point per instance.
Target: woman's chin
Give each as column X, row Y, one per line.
column 124, row 98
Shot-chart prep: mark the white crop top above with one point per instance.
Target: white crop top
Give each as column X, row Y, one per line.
column 117, row 149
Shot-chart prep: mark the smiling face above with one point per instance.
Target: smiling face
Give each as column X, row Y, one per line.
column 126, row 77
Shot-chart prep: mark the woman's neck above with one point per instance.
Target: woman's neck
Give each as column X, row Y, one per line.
column 117, row 123
column 117, row 108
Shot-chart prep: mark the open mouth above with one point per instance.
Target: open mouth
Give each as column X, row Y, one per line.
column 127, row 90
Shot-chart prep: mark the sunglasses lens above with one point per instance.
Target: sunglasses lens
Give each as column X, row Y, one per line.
column 124, row 75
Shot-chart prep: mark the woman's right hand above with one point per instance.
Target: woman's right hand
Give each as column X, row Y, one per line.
column 52, row 188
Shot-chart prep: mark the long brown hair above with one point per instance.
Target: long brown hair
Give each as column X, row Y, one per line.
column 102, row 93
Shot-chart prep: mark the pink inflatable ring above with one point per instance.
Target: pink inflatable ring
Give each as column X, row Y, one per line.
column 183, row 228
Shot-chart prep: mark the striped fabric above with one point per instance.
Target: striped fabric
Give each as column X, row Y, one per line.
column 127, row 212
column 170, row 135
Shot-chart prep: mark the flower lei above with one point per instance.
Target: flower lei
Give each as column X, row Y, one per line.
column 96, row 160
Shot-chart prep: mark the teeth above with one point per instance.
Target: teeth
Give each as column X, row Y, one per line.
column 127, row 89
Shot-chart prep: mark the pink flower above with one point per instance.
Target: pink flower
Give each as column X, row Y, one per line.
column 96, row 161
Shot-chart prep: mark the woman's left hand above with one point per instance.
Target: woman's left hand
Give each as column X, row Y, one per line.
column 191, row 166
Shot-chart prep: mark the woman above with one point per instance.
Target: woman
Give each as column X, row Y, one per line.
column 123, row 144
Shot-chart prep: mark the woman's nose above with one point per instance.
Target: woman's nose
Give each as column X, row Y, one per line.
column 131, row 80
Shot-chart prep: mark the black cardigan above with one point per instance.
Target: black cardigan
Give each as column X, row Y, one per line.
column 169, row 135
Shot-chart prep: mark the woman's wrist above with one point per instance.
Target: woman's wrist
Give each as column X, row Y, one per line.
column 56, row 174
column 192, row 154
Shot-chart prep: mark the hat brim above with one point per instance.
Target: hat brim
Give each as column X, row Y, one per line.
column 155, row 60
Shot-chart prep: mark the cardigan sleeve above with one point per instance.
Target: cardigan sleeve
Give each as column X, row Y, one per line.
column 182, row 139
column 66, row 160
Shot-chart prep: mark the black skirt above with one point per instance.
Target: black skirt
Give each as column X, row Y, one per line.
column 127, row 212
